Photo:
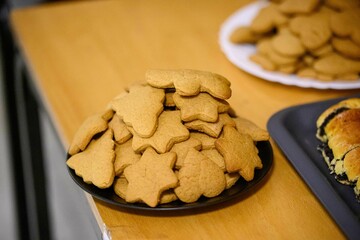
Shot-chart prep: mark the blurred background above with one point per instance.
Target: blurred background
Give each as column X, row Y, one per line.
column 69, row 214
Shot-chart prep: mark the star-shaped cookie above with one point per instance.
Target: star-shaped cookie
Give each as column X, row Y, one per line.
column 150, row 176
column 202, row 106
column 142, row 102
column 211, row 129
column 96, row 163
column 169, row 132
column 190, row 82
column 239, row 152
column 244, row 125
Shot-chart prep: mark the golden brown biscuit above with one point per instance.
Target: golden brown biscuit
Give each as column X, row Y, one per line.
column 121, row 133
column 341, row 4
column 91, row 126
column 150, row 176
column 347, row 24
column 199, row 176
column 298, row 6
column 286, row 43
column 244, row 34
column 124, row 156
column 207, row 142
column 170, row 131
column 216, row 157
column 246, row 126
column 265, row 48
column 313, row 30
column 267, row 19
column 96, row 163
column 239, row 152
column 263, row 61
column 190, row 82
column 211, row 129
column 133, row 112
column 181, row 149
column 336, row 64
column 346, row 47
column 202, row 106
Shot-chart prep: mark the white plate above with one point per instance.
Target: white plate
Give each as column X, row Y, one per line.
column 239, row 54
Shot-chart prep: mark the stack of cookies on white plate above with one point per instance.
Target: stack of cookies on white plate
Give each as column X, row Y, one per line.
column 310, row 38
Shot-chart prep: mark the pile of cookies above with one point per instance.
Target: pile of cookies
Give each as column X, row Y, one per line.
column 317, row 39
column 169, row 138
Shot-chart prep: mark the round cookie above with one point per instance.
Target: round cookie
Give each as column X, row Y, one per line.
column 298, row 6
column 346, row 47
column 336, row 64
column 244, row 34
column 347, row 23
column 267, row 19
column 287, row 44
column 342, row 4
column 313, row 30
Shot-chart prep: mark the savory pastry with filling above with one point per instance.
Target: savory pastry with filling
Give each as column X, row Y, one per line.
column 338, row 127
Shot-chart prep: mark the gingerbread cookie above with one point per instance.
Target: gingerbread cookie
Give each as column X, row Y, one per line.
column 265, row 48
column 246, row 126
column 211, row 129
column 263, row 61
column 170, row 131
column 199, row 176
column 267, row 19
column 314, row 29
column 207, row 142
column 121, row 133
column 335, row 64
column 342, row 5
column 346, row 47
column 133, row 112
column 215, row 156
column 244, row 34
column 347, row 24
column 96, row 163
column 121, row 185
column 91, row 126
column 125, row 156
column 150, row 176
column 239, row 152
column 287, row 44
column 202, row 106
column 181, row 149
column 190, row 82
column 298, row 6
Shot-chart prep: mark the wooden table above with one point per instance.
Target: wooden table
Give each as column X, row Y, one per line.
column 82, row 54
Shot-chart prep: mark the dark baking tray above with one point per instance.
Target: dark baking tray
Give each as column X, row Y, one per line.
column 294, row 129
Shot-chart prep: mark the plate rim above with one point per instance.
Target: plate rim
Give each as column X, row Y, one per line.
column 242, row 62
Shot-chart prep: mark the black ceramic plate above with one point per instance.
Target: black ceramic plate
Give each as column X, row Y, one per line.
column 239, row 189
column 294, row 129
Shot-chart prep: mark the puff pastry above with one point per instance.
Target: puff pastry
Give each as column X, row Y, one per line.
column 338, row 127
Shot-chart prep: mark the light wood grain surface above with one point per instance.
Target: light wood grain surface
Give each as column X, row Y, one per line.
column 82, row 54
